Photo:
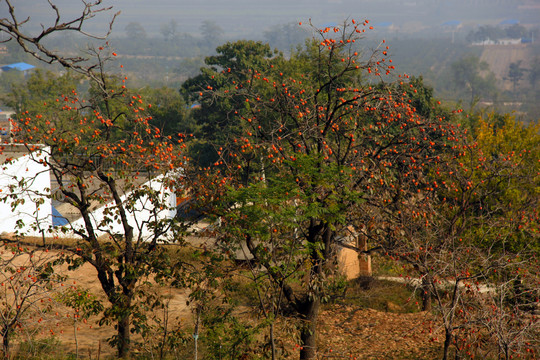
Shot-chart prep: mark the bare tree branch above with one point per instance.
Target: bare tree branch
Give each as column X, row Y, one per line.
column 33, row 43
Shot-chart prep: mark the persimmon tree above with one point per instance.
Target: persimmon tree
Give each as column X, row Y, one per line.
column 323, row 144
column 459, row 244
column 116, row 178
column 473, row 245
column 116, row 171
column 27, row 281
column 84, row 304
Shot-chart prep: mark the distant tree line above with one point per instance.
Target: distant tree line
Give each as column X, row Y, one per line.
column 490, row 32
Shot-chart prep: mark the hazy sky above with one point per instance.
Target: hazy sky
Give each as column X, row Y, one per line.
column 248, row 17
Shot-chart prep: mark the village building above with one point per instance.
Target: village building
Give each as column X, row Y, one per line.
column 29, row 205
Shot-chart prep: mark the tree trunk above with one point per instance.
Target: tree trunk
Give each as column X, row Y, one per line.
column 308, row 334
column 76, row 340
column 272, row 341
column 123, row 335
column 5, row 345
column 426, row 293
column 447, row 342
column 506, row 352
column 309, row 308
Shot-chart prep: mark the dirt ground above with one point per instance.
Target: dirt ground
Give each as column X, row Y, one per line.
column 91, row 337
column 346, row 332
column 50, row 318
column 353, row 333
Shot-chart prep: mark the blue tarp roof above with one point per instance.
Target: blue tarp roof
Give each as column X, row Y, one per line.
column 18, row 66
column 57, row 218
column 452, row 23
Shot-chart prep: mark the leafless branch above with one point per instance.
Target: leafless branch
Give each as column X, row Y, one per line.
column 33, row 43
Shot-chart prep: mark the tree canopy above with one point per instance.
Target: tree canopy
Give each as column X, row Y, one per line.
column 322, row 143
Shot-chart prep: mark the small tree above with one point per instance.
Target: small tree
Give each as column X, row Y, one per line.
column 534, row 72
column 115, row 169
column 135, row 31
column 515, row 73
column 84, row 305
column 211, row 33
column 27, row 279
column 169, row 30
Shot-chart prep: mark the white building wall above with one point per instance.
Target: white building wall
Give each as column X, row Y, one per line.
column 106, row 220
column 26, row 181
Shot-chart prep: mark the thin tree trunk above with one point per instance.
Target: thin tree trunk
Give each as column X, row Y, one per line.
column 76, row 340
column 5, row 345
column 165, row 330
column 272, row 340
column 308, row 334
column 447, row 342
column 196, row 332
column 426, row 293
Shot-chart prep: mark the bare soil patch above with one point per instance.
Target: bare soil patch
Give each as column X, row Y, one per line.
column 499, row 58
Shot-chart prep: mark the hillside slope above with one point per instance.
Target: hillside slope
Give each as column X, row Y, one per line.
column 499, row 58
